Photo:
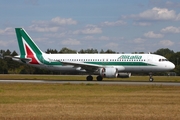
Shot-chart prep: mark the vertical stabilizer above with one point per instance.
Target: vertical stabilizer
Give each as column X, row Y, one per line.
column 27, row 47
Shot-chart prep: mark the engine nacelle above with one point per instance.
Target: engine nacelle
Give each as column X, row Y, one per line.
column 124, row 75
column 108, row 72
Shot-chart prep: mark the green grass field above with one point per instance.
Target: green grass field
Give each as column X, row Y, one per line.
column 88, row 101
column 20, row 101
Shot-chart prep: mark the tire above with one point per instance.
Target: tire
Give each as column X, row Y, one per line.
column 151, row 79
column 89, row 78
column 99, row 78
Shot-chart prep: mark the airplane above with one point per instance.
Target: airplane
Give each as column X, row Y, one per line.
column 102, row 65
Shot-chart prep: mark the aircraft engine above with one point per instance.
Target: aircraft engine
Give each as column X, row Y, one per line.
column 124, row 75
column 108, row 72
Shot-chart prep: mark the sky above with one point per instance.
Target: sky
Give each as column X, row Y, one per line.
column 120, row 25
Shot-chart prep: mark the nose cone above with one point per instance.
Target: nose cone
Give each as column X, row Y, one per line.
column 171, row 66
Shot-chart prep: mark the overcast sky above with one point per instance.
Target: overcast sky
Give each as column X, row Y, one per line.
column 120, row 25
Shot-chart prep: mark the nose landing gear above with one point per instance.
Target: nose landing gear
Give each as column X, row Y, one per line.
column 151, row 79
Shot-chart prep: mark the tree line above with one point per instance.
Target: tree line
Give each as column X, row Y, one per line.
column 67, row 50
column 8, row 66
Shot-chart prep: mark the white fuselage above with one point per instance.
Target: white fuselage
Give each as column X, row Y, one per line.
column 123, row 62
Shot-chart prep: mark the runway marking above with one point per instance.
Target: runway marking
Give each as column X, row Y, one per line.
column 92, row 82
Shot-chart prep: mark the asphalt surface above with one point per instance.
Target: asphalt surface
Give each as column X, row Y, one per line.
column 93, row 82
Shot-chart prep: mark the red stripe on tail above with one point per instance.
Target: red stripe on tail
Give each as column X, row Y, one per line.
column 31, row 55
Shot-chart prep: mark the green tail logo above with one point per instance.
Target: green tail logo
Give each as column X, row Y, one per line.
column 28, row 49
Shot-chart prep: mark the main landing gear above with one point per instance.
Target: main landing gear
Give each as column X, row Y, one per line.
column 151, row 79
column 90, row 78
column 99, row 78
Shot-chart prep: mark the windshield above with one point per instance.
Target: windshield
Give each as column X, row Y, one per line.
column 160, row 60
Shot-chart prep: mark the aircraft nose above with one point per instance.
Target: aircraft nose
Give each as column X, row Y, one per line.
column 171, row 66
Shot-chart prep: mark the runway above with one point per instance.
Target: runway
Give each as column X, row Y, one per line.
column 92, row 82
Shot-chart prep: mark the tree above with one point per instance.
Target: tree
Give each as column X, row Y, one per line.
column 81, row 51
column 2, row 54
column 88, row 51
column 12, row 65
column 66, row 50
column 110, row 51
column 165, row 52
column 3, row 67
column 102, row 51
column 7, row 52
column 177, row 70
column 51, row 51
column 26, row 69
column 14, row 53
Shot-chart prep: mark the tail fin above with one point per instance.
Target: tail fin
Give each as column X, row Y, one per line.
column 27, row 47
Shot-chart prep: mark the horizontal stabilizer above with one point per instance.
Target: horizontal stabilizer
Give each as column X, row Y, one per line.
column 24, row 60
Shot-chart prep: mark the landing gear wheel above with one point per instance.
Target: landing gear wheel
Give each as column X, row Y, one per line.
column 151, row 77
column 89, row 78
column 99, row 78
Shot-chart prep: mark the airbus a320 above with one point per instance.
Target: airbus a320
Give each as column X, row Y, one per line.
column 102, row 65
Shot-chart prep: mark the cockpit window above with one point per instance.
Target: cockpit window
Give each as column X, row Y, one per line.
column 160, row 60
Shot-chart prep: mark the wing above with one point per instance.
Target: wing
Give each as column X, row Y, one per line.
column 86, row 66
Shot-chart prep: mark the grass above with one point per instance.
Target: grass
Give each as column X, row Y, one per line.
column 88, row 101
